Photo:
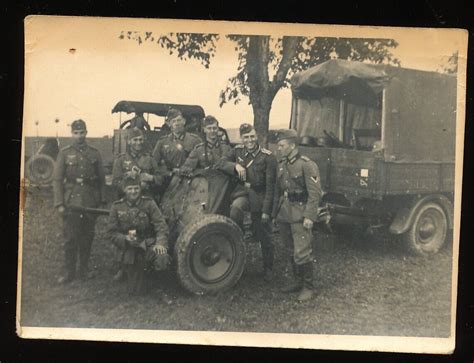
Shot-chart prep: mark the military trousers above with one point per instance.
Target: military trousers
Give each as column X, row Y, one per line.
column 240, row 213
column 298, row 241
column 78, row 234
column 263, row 233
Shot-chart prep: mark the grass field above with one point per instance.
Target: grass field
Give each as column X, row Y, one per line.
column 368, row 287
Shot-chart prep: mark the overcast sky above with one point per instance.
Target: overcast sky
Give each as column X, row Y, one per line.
column 104, row 70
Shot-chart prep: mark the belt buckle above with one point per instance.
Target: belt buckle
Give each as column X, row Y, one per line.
column 80, row 181
column 285, row 194
column 247, row 185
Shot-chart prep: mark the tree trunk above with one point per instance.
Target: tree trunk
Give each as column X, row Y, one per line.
column 262, row 91
column 261, row 118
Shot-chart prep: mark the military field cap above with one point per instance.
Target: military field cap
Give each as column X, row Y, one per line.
column 134, row 132
column 285, row 134
column 245, row 128
column 78, row 125
column 209, row 120
column 172, row 114
column 131, row 180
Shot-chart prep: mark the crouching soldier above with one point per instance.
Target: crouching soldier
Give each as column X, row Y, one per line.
column 137, row 227
column 297, row 196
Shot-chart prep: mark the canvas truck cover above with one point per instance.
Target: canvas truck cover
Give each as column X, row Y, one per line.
column 418, row 106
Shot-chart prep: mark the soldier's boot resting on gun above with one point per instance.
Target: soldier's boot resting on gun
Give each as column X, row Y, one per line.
column 306, row 292
column 297, row 283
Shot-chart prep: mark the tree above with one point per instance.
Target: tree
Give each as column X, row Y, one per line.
column 266, row 64
column 451, row 66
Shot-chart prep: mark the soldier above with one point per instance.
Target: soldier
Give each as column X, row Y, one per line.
column 255, row 166
column 206, row 154
column 137, row 227
column 297, row 196
column 171, row 151
column 136, row 162
column 78, row 182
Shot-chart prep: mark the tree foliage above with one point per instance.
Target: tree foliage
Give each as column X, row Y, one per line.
column 266, row 64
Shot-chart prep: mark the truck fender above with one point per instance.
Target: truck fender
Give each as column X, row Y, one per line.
column 405, row 216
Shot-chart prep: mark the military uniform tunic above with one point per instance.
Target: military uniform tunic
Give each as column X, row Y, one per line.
column 256, row 194
column 146, row 219
column 139, row 162
column 206, row 155
column 79, row 180
column 297, row 196
column 171, row 151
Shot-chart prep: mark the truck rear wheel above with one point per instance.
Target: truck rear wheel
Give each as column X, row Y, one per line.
column 428, row 231
column 210, row 255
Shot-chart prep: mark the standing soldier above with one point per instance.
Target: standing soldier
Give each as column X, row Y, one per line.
column 171, row 151
column 256, row 168
column 298, row 191
column 207, row 154
column 136, row 162
column 137, row 227
column 78, row 183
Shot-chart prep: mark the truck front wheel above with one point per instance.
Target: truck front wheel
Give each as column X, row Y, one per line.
column 428, row 232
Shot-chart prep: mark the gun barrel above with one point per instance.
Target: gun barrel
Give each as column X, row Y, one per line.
column 89, row 210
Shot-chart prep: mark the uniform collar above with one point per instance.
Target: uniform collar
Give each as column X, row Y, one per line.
column 292, row 157
column 136, row 204
column 134, row 154
column 80, row 147
column 213, row 145
column 254, row 153
column 180, row 138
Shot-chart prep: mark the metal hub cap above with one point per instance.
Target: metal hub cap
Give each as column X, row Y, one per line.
column 212, row 257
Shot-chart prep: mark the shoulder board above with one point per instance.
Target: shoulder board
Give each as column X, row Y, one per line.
column 199, row 145
column 266, row 151
column 146, row 197
column 239, row 146
column 121, row 155
column 92, row 148
column 118, row 201
column 305, row 158
column 66, row 148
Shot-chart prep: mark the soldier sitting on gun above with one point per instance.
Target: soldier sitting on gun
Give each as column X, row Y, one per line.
column 206, row 154
column 171, row 151
column 255, row 166
column 138, row 228
column 136, row 162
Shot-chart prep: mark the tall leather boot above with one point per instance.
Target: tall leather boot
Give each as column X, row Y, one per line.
column 70, row 264
column 306, row 292
column 297, row 283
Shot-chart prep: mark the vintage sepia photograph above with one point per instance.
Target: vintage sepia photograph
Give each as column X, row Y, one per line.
column 241, row 183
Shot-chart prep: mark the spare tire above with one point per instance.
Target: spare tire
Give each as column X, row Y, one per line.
column 40, row 169
column 210, row 255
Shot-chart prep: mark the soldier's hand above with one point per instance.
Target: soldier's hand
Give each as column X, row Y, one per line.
column 160, row 250
column 240, row 172
column 265, row 218
column 308, row 223
column 61, row 209
column 145, row 177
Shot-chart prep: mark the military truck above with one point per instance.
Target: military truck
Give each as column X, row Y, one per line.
column 384, row 139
